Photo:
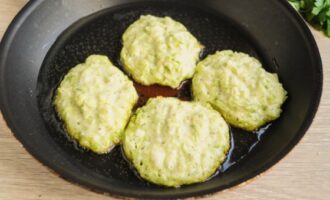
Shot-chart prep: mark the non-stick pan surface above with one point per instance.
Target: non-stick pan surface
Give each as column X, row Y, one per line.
column 47, row 38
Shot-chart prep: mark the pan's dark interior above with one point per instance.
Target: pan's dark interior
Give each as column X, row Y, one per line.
column 50, row 37
column 101, row 34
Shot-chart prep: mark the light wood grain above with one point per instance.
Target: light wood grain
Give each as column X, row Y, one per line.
column 304, row 174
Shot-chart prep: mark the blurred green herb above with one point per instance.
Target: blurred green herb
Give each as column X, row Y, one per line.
column 315, row 11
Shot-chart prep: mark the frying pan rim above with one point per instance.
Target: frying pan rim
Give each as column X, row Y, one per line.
column 313, row 107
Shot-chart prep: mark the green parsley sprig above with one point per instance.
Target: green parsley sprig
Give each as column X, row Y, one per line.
column 315, row 11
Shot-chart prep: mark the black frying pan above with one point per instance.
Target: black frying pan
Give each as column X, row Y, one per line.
column 47, row 38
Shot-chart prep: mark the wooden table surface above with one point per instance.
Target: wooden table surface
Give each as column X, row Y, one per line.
column 303, row 174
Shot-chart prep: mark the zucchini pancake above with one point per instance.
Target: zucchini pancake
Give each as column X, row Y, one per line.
column 159, row 50
column 95, row 100
column 172, row 142
column 238, row 87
